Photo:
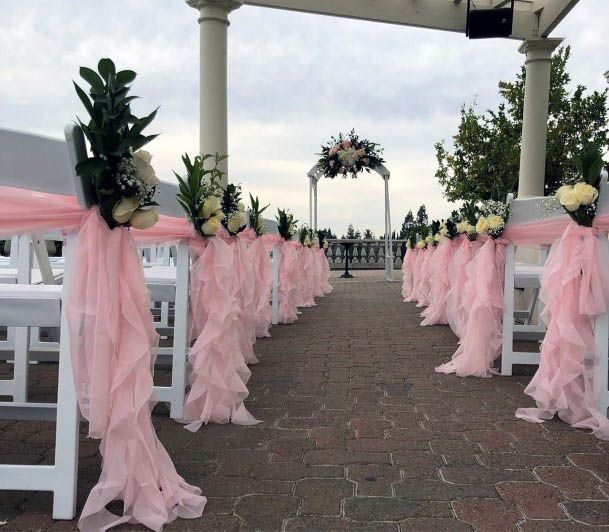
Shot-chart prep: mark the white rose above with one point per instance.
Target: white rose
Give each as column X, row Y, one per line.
column 236, row 221
column 144, row 172
column 470, row 229
column 461, row 227
column 562, row 190
column 495, row 222
column 241, row 207
column 307, row 241
column 421, row 244
column 211, row 226
column 144, row 218
column 568, row 199
column 482, row 225
column 429, row 240
column 211, row 205
column 443, row 230
column 123, row 210
column 586, row 194
column 438, row 237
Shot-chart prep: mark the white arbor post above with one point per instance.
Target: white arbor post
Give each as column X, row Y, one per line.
column 388, row 237
column 213, row 22
column 535, row 115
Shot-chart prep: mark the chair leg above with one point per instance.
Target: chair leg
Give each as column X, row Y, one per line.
column 20, row 367
column 508, row 313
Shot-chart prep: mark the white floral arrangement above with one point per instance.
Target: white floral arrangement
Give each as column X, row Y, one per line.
column 579, row 198
column 493, row 219
column 200, row 196
column 465, row 228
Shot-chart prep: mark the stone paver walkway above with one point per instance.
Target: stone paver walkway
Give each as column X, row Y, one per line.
column 360, row 434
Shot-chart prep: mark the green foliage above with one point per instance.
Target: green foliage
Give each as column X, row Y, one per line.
column 286, row 224
column 198, row 184
column 113, row 132
column 231, row 205
column 255, row 214
column 352, row 233
column 484, row 161
column 407, row 225
column 368, row 234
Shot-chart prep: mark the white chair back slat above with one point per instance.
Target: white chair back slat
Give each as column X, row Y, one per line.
column 166, row 198
column 77, row 152
column 602, row 206
column 272, row 227
column 34, row 162
column 529, row 210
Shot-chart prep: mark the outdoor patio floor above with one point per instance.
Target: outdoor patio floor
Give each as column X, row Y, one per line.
column 359, row 433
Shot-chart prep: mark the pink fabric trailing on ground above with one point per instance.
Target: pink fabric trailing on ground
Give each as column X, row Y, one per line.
column 435, row 313
column 219, row 374
column 481, row 341
column 289, row 283
column 112, row 337
column 575, row 289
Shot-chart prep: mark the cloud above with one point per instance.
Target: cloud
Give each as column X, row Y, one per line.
column 294, row 80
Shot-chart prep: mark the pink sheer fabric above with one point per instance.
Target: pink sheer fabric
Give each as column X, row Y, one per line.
column 456, row 314
column 317, row 272
column 326, row 287
column 416, row 272
column 481, row 341
column 306, row 277
column 423, row 287
column 219, row 374
column 260, row 259
column 289, row 282
column 435, row 313
column 575, row 289
column 112, row 339
column 407, row 274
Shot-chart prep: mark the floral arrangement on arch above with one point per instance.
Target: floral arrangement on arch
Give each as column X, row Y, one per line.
column 200, row 195
column 579, row 197
column 494, row 215
column 119, row 171
column 349, row 154
column 286, row 224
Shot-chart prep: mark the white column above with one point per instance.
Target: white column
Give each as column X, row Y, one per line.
column 535, row 117
column 213, row 22
column 310, row 202
column 315, row 181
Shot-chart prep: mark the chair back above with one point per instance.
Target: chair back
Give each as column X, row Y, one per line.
column 529, row 210
column 166, row 198
column 77, row 152
column 602, row 206
column 272, row 227
column 34, row 162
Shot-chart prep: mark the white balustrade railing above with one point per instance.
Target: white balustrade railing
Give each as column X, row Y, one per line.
column 365, row 254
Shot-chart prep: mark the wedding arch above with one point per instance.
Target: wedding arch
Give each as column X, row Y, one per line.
column 317, row 172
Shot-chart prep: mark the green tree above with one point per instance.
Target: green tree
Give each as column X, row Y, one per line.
column 368, row 234
column 484, row 160
column 407, row 224
column 422, row 218
column 352, row 233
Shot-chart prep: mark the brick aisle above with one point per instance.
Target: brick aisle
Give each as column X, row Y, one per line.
column 359, row 434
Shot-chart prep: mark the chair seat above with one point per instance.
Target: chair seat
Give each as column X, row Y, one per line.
column 30, row 305
column 160, row 274
column 9, row 275
column 527, row 275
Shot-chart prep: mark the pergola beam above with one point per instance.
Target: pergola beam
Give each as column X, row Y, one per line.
column 432, row 14
column 551, row 13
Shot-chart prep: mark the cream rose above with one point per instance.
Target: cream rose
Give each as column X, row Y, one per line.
column 307, row 241
column 438, row 237
column 429, row 239
column 144, row 171
column 123, row 210
column 568, row 199
column 211, row 206
column 461, row 227
column 494, row 222
column 144, row 218
column 421, row 244
column 482, row 225
column 443, row 230
column 241, row 207
column 470, row 229
column 236, row 221
column 211, row 226
column 586, row 194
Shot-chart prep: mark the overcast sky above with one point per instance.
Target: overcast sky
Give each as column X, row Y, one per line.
column 294, row 80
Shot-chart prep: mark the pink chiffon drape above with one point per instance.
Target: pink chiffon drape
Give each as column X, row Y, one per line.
column 435, row 313
column 481, row 340
column 575, row 289
column 289, row 282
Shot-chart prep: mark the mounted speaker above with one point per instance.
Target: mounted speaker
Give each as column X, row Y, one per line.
column 489, row 23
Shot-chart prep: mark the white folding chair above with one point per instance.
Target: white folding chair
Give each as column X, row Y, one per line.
column 26, row 305
column 524, row 276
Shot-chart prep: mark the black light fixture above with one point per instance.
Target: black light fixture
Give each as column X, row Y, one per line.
column 488, row 23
